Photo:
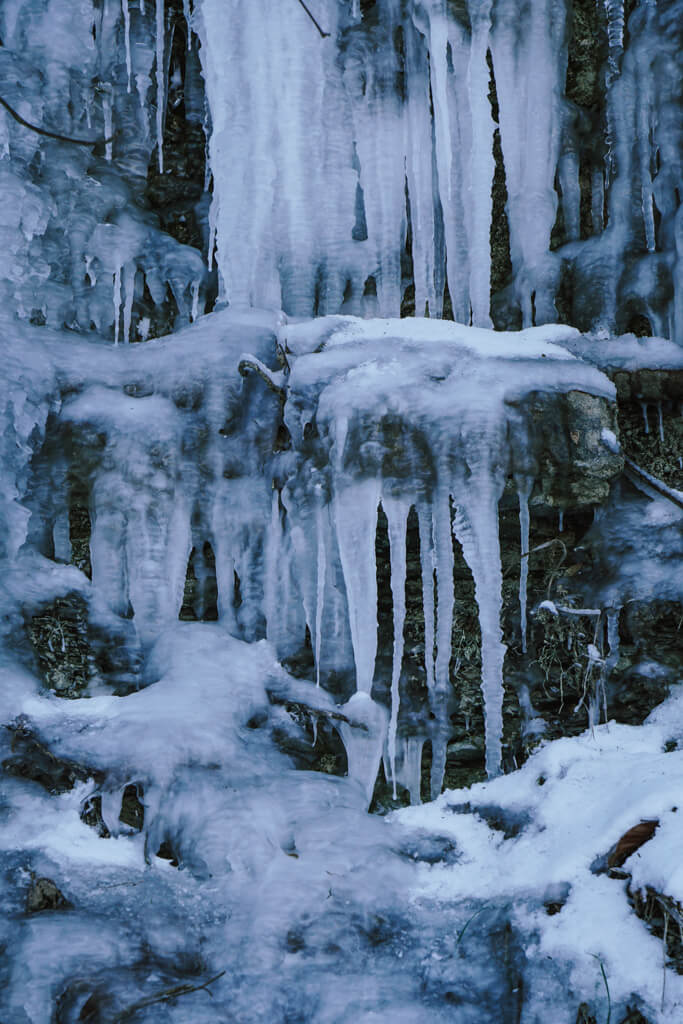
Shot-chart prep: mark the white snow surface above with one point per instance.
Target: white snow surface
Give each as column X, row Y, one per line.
column 570, row 803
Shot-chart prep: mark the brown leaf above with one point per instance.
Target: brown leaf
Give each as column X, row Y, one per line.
column 630, row 842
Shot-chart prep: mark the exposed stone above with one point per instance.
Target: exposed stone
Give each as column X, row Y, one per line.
column 43, row 894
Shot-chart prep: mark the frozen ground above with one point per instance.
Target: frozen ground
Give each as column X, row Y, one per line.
column 482, row 906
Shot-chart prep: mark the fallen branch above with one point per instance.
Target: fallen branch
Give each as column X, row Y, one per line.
column 166, row 996
column 48, row 134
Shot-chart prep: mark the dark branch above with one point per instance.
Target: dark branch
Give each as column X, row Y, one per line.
column 167, row 996
column 50, row 135
column 323, row 34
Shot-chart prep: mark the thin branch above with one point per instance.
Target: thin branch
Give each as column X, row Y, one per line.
column 167, row 996
column 336, row 716
column 50, row 135
column 646, row 481
column 323, row 34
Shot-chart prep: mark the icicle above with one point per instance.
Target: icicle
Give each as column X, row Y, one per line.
column 476, row 527
column 363, row 746
column 110, row 809
column 598, row 199
column 614, row 10
column 613, row 636
column 188, row 21
column 643, row 406
column 142, row 7
column 443, row 546
column 355, row 517
column 117, row 303
column 409, row 765
column 274, row 572
column 213, row 218
column 108, row 122
column 194, row 312
column 61, row 538
column 571, row 194
column 355, row 10
column 523, row 491
column 427, row 567
column 320, row 585
column 561, row 520
column 92, row 279
column 481, row 167
column 443, row 549
column 129, row 271
column 396, row 511
column 660, row 420
column 160, row 27
column 126, row 27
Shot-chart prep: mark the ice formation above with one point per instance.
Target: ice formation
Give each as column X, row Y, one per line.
column 319, row 172
column 348, row 142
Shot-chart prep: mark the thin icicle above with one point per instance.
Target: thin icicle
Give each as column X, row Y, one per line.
column 129, row 294
column 160, row 30
column 194, row 312
column 613, row 636
column 598, row 199
column 615, row 31
column 476, row 527
column 427, row 567
column 560, row 523
column 117, row 303
column 396, row 511
column 274, row 571
column 409, row 765
column 213, row 218
column 481, row 167
column 126, row 29
column 108, row 122
column 188, row 21
column 660, row 420
column 443, row 545
column 443, row 548
column 643, row 406
column 523, row 491
column 320, row 586
column 142, row 7
column 355, row 516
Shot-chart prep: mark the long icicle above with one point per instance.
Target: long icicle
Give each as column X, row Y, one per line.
column 443, row 546
column 320, row 586
column 427, row 567
column 524, row 486
column 396, row 512
column 161, row 27
column 126, row 30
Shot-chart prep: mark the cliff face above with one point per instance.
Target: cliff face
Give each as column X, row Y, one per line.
column 268, row 568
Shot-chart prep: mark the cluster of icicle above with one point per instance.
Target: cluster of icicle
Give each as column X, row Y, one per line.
column 81, row 249
column 336, row 145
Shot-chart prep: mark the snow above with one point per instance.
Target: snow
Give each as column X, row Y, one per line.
column 573, row 806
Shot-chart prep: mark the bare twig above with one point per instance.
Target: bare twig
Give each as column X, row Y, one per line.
column 604, row 978
column 50, row 135
column 336, row 716
column 273, row 378
column 166, row 996
column 323, row 34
